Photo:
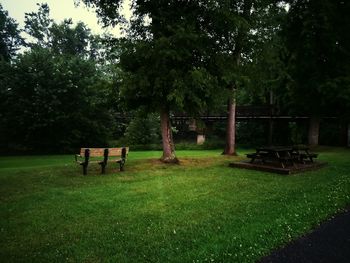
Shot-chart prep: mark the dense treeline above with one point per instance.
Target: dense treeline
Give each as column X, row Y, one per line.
column 55, row 95
column 61, row 86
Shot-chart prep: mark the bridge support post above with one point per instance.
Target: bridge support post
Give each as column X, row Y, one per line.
column 192, row 125
column 200, row 139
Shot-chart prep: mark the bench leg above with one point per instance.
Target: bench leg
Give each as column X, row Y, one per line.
column 103, row 168
column 283, row 166
column 121, row 166
column 85, row 165
column 292, row 163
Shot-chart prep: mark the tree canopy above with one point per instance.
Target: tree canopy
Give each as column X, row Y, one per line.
column 319, row 55
column 54, row 95
column 62, row 86
column 165, row 58
column 10, row 39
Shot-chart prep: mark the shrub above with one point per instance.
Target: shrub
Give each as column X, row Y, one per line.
column 143, row 129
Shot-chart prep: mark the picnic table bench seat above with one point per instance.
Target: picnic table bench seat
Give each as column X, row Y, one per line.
column 305, row 156
column 257, row 156
column 302, row 154
column 286, row 158
column 252, row 155
column 114, row 155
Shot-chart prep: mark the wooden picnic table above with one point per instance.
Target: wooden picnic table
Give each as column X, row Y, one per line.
column 281, row 155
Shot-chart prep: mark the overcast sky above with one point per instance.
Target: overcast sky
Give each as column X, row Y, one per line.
column 59, row 10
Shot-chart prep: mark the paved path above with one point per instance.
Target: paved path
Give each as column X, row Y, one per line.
column 329, row 243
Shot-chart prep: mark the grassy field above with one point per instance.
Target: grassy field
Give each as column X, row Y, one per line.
column 198, row 211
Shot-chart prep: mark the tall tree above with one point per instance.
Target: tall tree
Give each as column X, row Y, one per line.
column 63, row 38
column 10, row 39
column 69, row 39
column 319, row 55
column 164, row 59
column 37, row 25
column 233, row 24
column 54, row 96
column 264, row 66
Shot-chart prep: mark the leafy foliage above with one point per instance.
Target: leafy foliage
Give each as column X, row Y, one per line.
column 166, row 67
column 164, row 59
column 177, row 56
column 55, row 97
column 64, row 38
column 54, row 103
column 10, row 39
column 264, row 67
column 143, row 129
column 319, row 53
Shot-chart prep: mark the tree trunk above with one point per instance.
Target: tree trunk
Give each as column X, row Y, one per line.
column 230, row 148
column 167, row 139
column 314, row 129
column 270, row 140
column 349, row 135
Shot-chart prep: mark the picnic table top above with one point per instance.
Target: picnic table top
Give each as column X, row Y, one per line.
column 283, row 148
column 274, row 149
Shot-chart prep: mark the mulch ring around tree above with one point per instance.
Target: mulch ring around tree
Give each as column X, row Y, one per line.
column 330, row 242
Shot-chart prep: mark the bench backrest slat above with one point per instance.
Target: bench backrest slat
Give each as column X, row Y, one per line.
column 98, row 152
column 117, row 151
column 94, row 152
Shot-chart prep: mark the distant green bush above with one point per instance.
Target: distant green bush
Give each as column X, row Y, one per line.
column 251, row 133
column 143, row 129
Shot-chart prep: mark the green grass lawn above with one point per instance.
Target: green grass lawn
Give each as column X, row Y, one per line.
column 198, row 211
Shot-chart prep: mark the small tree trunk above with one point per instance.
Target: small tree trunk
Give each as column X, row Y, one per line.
column 343, row 134
column 349, row 135
column 230, row 148
column 270, row 131
column 314, row 129
column 271, row 120
column 167, row 139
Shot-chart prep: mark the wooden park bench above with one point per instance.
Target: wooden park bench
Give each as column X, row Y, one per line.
column 86, row 153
